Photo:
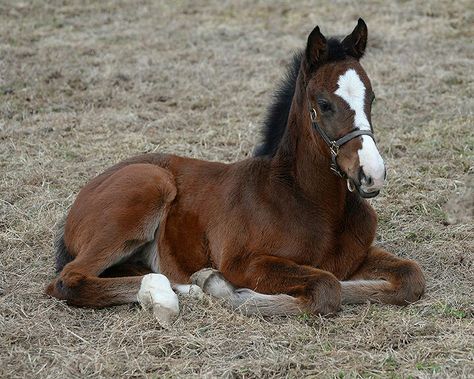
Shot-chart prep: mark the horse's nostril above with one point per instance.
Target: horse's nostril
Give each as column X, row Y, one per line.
column 369, row 181
column 364, row 179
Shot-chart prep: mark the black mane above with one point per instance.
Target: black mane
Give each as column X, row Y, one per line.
column 276, row 118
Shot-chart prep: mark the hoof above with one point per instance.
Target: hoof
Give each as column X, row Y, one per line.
column 195, row 291
column 213, row 283
column 200, row 277
column 155, row 294
column 189, row 290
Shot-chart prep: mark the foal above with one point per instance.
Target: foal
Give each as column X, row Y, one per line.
column 281, row 233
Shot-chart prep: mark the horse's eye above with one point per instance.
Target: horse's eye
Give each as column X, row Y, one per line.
column 324, row 105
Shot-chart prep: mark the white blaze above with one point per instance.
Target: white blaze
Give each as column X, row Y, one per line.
column 352, row 90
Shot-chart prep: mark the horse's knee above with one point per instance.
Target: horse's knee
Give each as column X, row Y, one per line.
column 412, row 283
column 325, row 295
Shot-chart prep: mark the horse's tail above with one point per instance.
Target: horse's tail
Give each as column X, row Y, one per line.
column 63, row 256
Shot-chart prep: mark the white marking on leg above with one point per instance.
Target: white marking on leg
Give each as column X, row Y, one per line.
column 156, row 294
column 352, row 90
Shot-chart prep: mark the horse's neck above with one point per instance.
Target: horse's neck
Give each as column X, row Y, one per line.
column 301, row 158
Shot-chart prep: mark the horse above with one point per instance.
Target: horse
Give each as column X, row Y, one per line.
column 286, row 231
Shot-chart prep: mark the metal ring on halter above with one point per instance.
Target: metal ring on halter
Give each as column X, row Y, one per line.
column 313, row 114
column 350, row 185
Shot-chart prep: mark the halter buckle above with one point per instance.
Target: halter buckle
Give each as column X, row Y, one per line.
column 313, row 114
column 334, row 166
column 334, row 148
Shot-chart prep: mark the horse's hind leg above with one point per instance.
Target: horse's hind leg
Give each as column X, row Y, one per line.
column 384, row 278
column 152, row 291
column 112, row 219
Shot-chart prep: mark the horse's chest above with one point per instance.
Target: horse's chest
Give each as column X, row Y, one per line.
column 328, row 247
column 307, row 244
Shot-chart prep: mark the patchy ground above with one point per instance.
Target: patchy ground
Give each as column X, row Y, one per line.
column 84, row 86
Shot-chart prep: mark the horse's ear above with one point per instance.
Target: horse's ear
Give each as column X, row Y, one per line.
column 316, row 48
column 355, row 43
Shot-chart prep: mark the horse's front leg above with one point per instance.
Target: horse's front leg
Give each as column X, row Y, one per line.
column 385, row 278
column 271, row 285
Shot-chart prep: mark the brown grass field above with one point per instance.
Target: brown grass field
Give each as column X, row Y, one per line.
column 86, row 84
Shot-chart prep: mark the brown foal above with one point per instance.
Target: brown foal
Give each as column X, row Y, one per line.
column 280, row 233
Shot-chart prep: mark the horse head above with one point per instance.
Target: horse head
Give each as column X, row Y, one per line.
column 339, row 96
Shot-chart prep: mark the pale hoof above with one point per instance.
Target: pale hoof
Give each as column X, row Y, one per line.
column 196, row 291
column 200, row 277
column 189, row 290
column 155, row 294
column 213, row 283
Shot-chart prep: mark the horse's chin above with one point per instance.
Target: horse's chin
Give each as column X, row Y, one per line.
column 367, row 195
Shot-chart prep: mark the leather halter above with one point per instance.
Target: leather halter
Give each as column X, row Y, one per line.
column 334, row 145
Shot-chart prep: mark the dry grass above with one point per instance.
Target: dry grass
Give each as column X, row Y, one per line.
column 83, row 86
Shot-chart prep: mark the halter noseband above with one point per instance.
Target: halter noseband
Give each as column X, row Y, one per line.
column 334, row 145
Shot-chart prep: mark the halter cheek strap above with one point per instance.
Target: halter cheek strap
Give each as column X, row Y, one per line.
column 334, row 145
